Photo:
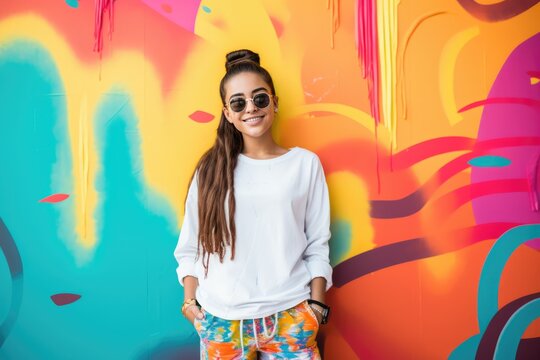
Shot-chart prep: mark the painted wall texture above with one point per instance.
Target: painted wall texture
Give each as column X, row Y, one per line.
column 425, row 114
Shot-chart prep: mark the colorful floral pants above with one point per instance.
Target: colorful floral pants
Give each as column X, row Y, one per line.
column 288, row 334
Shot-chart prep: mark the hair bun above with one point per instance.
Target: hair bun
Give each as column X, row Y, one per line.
column 241, row 56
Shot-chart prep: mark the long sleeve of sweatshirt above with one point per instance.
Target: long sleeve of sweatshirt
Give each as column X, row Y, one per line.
column 186, row 248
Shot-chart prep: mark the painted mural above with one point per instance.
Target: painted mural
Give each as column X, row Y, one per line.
column 426, row 117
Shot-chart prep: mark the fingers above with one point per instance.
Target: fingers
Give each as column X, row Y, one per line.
column 319, row 318
column 193, row 311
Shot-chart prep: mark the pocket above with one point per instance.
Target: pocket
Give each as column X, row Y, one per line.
column 198, row 323
column 205, row 324
column 311, row 313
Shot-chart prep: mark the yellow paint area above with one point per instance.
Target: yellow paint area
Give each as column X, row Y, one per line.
column 449, row 55
column 441, row 270
column 350, row 202
column 85, row 87
column 361, row 117
column 387, row 30
column 244, row 26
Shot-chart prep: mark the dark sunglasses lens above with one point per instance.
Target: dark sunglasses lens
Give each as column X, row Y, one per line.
column 238, row 104
column 261, row 100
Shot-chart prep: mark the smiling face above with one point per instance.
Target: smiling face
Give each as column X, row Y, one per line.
column 252, row 121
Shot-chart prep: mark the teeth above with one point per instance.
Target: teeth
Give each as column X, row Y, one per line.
column 253, row 119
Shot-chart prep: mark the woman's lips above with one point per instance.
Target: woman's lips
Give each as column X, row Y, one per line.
column 254, row 120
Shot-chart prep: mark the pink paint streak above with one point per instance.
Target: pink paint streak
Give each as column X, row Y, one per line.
column 64, row 298
column 502, row 100
column 54, row 198
column 184, row 13
column 368, row 51
column 534, row 183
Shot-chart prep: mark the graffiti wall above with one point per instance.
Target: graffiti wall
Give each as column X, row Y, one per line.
column 426, row 117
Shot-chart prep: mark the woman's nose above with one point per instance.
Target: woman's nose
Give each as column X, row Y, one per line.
column 250, row 105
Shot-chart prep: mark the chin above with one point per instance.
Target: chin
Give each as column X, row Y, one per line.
column 255, row 133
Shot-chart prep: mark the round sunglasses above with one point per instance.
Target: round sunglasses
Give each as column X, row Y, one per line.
column 238, row 104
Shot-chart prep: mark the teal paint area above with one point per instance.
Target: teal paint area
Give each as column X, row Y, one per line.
column 340, row 243
column 488, row 299
column 138, row 240
column 490, row 278
column 33, row 156
column 73, row 3
column 511, row 334
column 130, row 296
column 490, row 161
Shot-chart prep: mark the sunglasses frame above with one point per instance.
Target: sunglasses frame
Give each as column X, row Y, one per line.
column 270, row 97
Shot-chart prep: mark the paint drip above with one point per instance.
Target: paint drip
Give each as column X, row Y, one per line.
column 333, row 6
column 101, row 7
column 534, row 183
column 368, row 51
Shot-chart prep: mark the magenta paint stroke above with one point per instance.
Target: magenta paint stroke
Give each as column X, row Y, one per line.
column 511, row 119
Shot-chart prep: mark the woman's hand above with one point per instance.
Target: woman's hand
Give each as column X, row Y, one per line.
column 193, row 311
column 319, row 317
column 318, row 292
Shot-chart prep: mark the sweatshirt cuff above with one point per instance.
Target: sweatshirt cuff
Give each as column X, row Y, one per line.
column 186, row 269
column 320, row 269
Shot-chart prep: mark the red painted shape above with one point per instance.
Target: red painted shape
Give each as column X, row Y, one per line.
column 450, row 202
column 219, row 23
column 201, row 116
column 432, row 147
column 501, row 100
column 54, row 198
column 278, row 26
column 64, row 298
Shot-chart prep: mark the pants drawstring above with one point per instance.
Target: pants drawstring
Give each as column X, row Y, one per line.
column 242, row 336
column 255, row 331
column 275, row 326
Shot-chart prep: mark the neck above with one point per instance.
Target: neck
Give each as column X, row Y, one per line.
column 260, row 146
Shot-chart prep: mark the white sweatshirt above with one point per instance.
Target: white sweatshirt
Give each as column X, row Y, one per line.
column 282, row 231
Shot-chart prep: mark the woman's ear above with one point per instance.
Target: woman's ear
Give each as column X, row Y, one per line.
column 276, row 101
column 227, row 114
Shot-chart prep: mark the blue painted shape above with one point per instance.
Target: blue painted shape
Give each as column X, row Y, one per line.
column 340, row 243
column 131, row 296
column 488, row 287
column 206, row 9
column 510, row 336
column 73, row 3
column 133, row 218
column 467, row 349
column 13, row 259
column 489, row 161
column 34, row 161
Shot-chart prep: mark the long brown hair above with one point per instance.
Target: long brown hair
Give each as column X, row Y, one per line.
column 215, row 169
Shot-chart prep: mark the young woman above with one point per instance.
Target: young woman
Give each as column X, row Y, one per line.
column 253, row 249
